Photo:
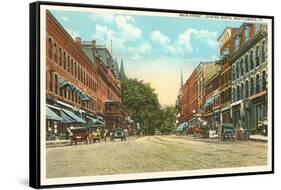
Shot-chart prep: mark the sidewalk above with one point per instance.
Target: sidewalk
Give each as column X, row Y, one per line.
column 259, row 138
column 57, row 143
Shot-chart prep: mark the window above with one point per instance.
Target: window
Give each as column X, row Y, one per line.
column 252, row 87
column 247, row 89
column 237, row 70
column 68, row 63
column 78, row 72
column 258, row 27
column 233, row 94
column 264, row 83
column 237, row 42
column 247, row 33
column 238, row 92
column 64, row 60
column 241, row 67
column 51, row 82
column 257, row 56
column 242, row 91
column 257, row 83
column 56, row 53
column 50, row 48
column 75, row 70
column 56, row 83
column 71, row 66
column 246, row 64
column 61, row 92
column 60, row 56
column 251, row 60
column 233, row 72
column 263, row 51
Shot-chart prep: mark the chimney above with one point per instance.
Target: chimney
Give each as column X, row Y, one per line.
column 94, row 44
column 78, row 41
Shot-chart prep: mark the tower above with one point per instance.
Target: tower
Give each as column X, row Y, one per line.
column 181, row 79
column 122, row 72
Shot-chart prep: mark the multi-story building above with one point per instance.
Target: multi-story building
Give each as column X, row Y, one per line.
column 213, row 99
column 226, row 42
column 249, row 76
column 77, row 86
column 191, row 95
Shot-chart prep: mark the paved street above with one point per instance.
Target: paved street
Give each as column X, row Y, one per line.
column 151, row 154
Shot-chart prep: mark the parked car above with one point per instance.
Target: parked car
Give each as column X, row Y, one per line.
column 118, row 134
column 226, row 132
column 80, row 134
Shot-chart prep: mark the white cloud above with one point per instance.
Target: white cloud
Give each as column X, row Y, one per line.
column 73, row 33
column 103, row 33
column 64, row 18
column 126, row 25
column 104, row 17
column 160, row 38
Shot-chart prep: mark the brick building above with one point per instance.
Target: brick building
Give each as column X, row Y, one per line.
column 77, row 87
column 191, row 95
column 249, row 64
column 226, row 42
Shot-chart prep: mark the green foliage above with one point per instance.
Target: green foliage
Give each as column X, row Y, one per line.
column 142, row 101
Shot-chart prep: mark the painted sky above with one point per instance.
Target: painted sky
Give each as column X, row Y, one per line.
column 153, row 48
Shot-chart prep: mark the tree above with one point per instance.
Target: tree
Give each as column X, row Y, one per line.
column 168, row 119
column 142, row 101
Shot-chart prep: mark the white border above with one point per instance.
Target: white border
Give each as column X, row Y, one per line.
column 104, row 178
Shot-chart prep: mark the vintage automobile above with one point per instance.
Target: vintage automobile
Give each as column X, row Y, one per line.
column 118, row 134
column 226, row 131
column 80, row 134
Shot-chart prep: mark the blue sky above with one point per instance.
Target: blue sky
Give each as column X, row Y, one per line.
column 153, row 48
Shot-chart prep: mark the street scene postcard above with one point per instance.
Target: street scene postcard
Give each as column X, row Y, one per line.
column 143, row 94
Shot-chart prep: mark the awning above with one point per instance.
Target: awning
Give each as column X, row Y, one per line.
column 95, row 121
column 182, row 127
column 73, row 116
column 69, row 86
column 51, row 115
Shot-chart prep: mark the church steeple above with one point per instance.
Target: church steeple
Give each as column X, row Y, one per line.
column 181, row 79
column 122, row 72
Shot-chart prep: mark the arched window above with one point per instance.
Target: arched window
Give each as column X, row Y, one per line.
column 56, row 53
column 75, row 70
column 78, row 70
column 238, row 92
column 68, row 63
column 257, row 56
column 60, row 56
column 264, row 83
column 247, row 89
column 263, row 51
column 50, row 50
column 241, row 67
column 252, row 87
column 71, row 66
column 246, row 64
column 257, row 83
column 251, row 60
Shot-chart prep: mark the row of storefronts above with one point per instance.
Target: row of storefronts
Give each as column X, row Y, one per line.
column 83, row 85
column 236, row 91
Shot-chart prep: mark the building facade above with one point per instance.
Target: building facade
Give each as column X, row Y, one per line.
column 77, row 87
column 226, row 42
column 249, row 77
